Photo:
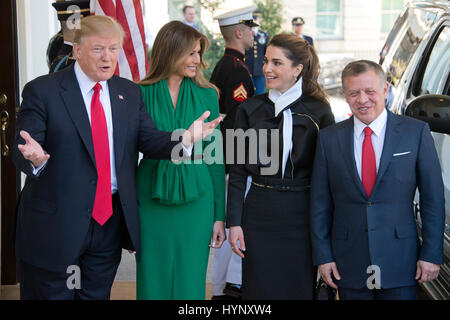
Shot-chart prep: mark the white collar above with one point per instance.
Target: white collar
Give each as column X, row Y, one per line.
column 376, row 125
column 86, row 83
column 189, row 23
column 282, row 100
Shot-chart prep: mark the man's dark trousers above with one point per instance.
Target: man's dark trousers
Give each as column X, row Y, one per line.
column 101, row 252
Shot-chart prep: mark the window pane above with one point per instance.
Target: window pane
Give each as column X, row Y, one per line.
column 387, row 21
column 401, row 58
column 328, row 24
column 328, row 5
column 437, row 63
column 392, row 5
column 390, row 10
column 328, row 19
column 384, row 23
column 398, row 4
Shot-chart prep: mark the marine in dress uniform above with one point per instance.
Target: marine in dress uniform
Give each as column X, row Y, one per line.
column 59, row 52
column 232, row 76
column 255, row 57
column 296, row 23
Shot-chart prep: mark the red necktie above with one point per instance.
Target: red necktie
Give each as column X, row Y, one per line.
column 368, row 163
column 103, row 200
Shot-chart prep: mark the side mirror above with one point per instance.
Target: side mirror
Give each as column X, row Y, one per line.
column 434, row 109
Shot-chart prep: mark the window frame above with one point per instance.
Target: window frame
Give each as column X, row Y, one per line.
column 340, row 27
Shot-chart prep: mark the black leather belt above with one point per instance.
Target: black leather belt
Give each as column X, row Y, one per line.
column 180, row 159
column 281, row 184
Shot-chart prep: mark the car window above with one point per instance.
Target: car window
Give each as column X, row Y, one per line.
column 406, row 43
column 393, row 33
column 402, row 56
column 438, row 64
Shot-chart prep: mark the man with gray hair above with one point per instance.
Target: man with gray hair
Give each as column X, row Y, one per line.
column 366, row 172
column 78, row 135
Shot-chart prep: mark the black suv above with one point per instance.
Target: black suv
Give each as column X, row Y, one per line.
column 416, row 59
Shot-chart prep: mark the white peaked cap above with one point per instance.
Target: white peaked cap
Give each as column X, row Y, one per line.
column 237, row 16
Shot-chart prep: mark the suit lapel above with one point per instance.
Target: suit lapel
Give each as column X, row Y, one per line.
column 391, row 139
column 73, row 99
column 119, row 119
column 346, row 142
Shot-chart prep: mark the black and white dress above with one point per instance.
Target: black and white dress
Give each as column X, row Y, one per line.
column 275, row 214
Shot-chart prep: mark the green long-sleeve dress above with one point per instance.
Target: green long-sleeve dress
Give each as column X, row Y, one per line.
column 179, row 202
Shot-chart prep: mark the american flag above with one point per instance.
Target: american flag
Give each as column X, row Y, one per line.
column 133, row 63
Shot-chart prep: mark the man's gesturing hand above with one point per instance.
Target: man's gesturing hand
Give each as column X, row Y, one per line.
column 200, row 129
column 32, row 150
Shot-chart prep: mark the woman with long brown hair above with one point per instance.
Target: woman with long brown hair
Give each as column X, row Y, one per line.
column 270, row 228
column 181, row 205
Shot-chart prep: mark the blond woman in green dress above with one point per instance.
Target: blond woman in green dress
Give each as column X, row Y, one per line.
column 181, row 205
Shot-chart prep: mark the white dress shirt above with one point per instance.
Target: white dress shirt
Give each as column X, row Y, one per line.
column 378, row 127
column 86, row 86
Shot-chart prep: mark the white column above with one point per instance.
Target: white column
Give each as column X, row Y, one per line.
column 36, row 24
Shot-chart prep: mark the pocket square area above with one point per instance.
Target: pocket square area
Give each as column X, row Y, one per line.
column 401, row 153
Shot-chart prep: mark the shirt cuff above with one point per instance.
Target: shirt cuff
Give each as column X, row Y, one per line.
column 37, row 171
column 187, row 151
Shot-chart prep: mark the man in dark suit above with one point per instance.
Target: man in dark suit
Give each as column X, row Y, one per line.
column 297, row 26
column 78, row 136
column 365, row 176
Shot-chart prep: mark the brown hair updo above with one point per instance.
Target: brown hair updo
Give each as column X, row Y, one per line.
column 299, row 51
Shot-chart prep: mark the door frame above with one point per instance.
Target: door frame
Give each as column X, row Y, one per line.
column 10, row 177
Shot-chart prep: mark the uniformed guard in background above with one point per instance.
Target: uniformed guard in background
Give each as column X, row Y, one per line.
column 59, row 51
column 232, row 76
column 255, row 56
column 297, row 26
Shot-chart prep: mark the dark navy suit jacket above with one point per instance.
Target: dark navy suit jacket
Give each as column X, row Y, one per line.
column 55, row 208
column 357, row 231
column 309, row 39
